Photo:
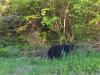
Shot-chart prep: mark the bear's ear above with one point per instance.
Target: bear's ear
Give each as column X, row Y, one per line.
column 69, row 47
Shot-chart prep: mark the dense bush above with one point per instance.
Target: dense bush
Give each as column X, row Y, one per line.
column 78, row 19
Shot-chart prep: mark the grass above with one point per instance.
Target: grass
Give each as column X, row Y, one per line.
column 79, row 62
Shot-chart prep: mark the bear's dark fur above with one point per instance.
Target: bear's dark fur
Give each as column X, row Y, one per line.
column 58, row 50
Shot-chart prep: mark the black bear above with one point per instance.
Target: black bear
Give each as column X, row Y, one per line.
column 58, row 50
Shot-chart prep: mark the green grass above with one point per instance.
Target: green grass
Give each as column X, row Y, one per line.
column 79, row 62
